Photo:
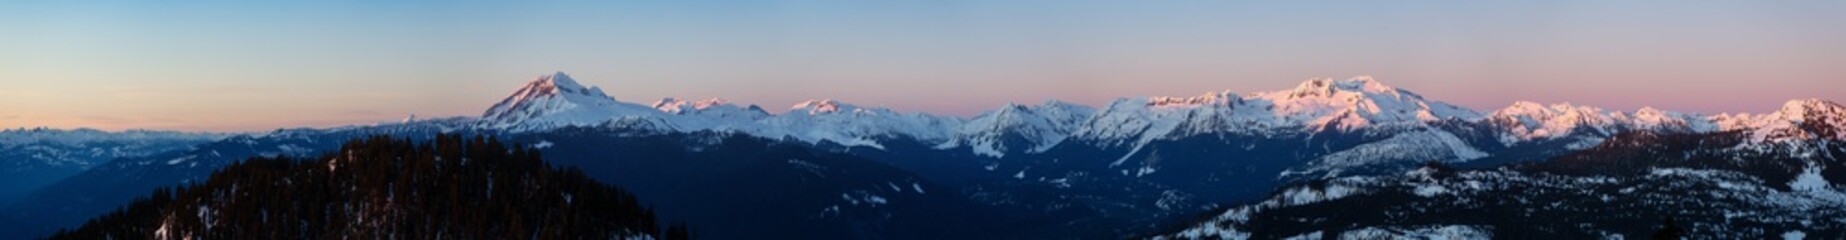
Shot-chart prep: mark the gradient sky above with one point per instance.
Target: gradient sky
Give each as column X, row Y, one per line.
column 230, row 66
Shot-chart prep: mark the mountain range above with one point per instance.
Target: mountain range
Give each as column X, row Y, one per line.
column 37, row 157
column 1220, row 164
column 1316, row 105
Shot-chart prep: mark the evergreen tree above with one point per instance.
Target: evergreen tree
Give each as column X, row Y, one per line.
column 678, row 232
column 1669, row 231
column 384, row 188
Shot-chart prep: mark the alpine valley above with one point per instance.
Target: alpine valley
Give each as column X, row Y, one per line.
column 1328, row 159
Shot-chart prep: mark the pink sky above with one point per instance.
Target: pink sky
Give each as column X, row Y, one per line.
column 256, row 67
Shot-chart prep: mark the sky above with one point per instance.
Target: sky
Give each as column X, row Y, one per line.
column 257, row 66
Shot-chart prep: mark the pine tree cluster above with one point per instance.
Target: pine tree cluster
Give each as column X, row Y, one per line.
column 383, row 188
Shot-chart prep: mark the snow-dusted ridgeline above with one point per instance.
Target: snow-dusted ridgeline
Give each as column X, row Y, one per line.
column 1317, row 105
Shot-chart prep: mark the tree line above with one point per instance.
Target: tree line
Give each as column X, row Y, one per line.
column 452, row 187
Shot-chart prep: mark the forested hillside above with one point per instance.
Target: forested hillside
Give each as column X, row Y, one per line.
column 385, row 188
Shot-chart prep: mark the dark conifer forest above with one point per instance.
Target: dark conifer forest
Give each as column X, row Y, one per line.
column 383, row 188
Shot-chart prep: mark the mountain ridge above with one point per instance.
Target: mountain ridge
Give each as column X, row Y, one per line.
column 1317, row 104
column 1138, row 161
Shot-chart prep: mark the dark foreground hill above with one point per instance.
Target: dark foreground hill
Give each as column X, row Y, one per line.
column 383, row 188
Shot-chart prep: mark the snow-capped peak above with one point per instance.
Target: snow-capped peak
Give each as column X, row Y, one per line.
column 560, row 83
column 555, row 100
column 1803, row 109
column 1533, row 114
column 1224, row 98
column 1322, row 87
column 1017, row 127
column 1528, row 121
column 1825, row 118
column 1798, row 119
column 1656, row 119
column 677, row 106
column 1354, row 102
column 541, row 87
column 1313, row 105
column 846, row 124
column 1526, row 107
column 821, row 106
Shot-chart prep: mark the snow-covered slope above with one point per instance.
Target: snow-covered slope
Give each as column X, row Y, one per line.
column 1527, row 121
column 1353, row 103
column 712, row 114
column 1139, row 120
column 1714, row 203
column 1801, row 119
column 1017, row 128
column 1730, row 176
column 711, row 108
column 556, row 100
column 82, row 148
column 1315, row 105
column 1621, row 188
column 1408, row 147
column 851, row 125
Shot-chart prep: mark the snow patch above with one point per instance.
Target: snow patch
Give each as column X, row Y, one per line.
column 1809, row 180
column 1305, row 195
column 177, row 161
column 808, row 166
column 863, row 197
column 1430, row 190
column 1315, row 235
column 1794, row 235
column 1461, row 150
column 1432, row 232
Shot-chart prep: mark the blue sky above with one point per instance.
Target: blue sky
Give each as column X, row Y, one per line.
column 222, row 65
